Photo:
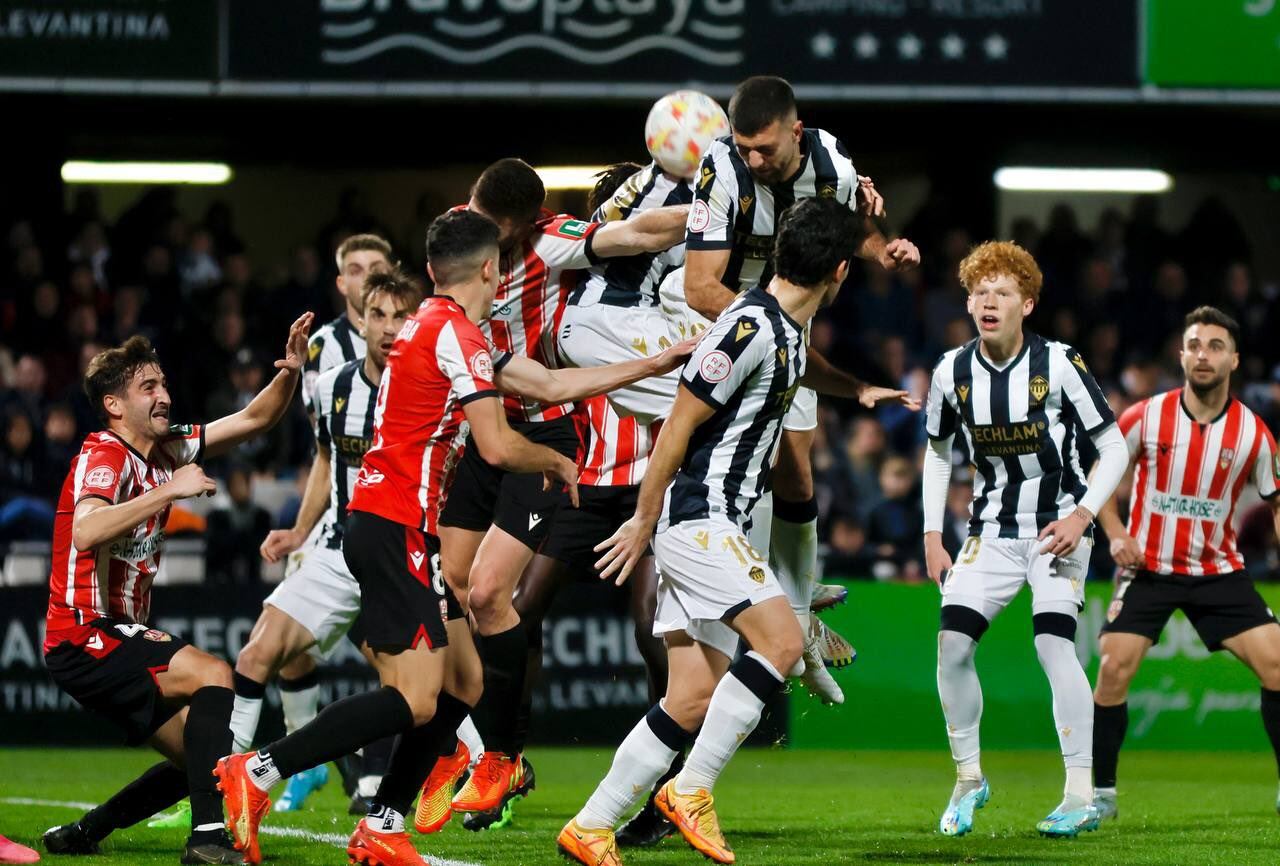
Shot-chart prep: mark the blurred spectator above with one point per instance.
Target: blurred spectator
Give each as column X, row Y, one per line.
column 244, row 379
column 61, row 445
column 25, row 510
column 895, row 527
column 848, row 554
column 197, row 267
column 234, row 534
column 865, row 448
column 28, row 392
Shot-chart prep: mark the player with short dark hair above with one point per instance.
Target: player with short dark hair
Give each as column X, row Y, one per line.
column 1021, row 402
column 1194, row 449
column 107, row 544
column 704, row 479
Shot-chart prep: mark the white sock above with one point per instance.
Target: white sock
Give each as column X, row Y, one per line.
column 733, row 714
column 384, row 819
column 299, row 707
column 793, row 555
column 961, row 696
column 470, row 736
column 245, row 713
column 262, row 771
column 1072, row 710
column 637, row 765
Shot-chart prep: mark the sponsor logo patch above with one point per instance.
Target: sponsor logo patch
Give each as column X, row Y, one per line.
column 180, row 429
column 744, row 203
column 962, row 391
column 103, row 477
column 314, row 350
column 482, row 366
column 699, row 216
column 708, row 175
column 576, row 229
column 339, row 403
column 715, row 366
column 746, row 328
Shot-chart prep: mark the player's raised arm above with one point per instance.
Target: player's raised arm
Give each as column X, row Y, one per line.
column 825, row 378
column 528, row 378
column 649, row 232
column 267, row 408
column 621, row 551
column 98, row 519
column 892, row 255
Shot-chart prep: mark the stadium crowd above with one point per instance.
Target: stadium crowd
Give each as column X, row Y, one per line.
column 193, row 285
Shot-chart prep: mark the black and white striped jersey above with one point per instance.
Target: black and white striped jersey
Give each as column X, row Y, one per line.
column 344, row 405
column 632, row 281
column 732, row 211
column 332, row 344
column 1021, row 424
column 747, row 368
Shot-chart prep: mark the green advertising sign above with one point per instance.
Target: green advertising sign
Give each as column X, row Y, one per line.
column 1213, row 43
column 1182, row 698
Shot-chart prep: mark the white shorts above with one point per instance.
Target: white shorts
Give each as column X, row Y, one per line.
column 803, row 414
column 321, row 595
column 707, row 570
column 295, row 559
column 988, row 573
column 604, row 334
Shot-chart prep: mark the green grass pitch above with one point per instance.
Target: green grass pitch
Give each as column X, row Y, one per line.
column 777, row 807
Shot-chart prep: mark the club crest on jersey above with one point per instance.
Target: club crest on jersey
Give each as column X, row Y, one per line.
column 756, row 573
column 103, row 477
column 481, row 366
column 744, row 202
column 699, row 216
column 576, row 229
column 157, row 635
column 339, row 403
column 708, row 175
column 746, row 328
column 1224, row 459
column 962, row 391
column 715, row 366
column 1113, row 610
column 641, row 345
column 313, row 351
column 1039, row 387
column 1079, row 362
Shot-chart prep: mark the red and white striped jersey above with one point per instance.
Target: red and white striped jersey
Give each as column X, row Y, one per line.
column 438, row 363
column 1188, row 479
column 616, row 450
column 536, row 278
column 114, row 578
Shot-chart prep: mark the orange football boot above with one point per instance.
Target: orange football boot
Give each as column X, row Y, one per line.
column 245, row 802
column 588, row 847
column 370, row 848
column 435, row 805
column 496, row 780
column 694, row 815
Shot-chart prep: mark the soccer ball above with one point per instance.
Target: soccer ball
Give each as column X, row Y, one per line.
column 680, row 128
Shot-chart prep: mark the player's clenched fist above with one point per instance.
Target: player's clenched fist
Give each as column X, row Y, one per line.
column 280, row 543
column 190, row 480
column 936, row 559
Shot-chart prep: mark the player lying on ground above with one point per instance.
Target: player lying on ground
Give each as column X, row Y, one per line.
column 1020, row 402
column 746, row 181
column 439, row 373
column 1194, row 448
column 108, row 540
column 316, row 605
column 495, row 519
column 714, row 587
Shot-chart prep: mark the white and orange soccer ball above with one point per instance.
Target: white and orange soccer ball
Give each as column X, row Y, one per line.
column 680, row 128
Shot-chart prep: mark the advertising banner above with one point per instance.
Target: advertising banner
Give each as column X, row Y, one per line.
column 1228, row 43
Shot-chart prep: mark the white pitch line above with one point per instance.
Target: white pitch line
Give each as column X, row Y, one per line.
column 336, row 839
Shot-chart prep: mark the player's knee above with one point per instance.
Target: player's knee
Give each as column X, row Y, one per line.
column 1269, row 674
column 215, row 672
column 688, row 709
column 422, row 704
column 959, row 630
column 795, row 484
column 955, row 649
column 256, row 660
column 784, row 650
column 489, row 596
column 1114, row 675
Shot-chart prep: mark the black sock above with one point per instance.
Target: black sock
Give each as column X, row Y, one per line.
column 154, row 791
column 206, row 737
column 305, row 681
column 376, row 757
column 504, row 674
column 415, row 754
column 532, row 670
column 1109, row 727
column 250, row 688
column 341, row 728
column 1271, row 720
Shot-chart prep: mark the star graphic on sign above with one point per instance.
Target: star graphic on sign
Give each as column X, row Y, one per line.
column 909, row 47
column 995, row 46
column 952, row 47
column 823, row 45
column 866, row 46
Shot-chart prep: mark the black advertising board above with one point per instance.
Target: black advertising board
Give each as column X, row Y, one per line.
column 568, row 46
column 109, row 39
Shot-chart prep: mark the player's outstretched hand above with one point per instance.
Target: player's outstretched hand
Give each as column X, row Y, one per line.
column 623, row 550
column 1065, row 534
column 295, row 350
column 870, row 202
column 280, row 543
column 190, row 480
column 900, row 255
column 668, row 359
column 873, row 395
column 1126, row 552
column 564, row 472
column 937, row 561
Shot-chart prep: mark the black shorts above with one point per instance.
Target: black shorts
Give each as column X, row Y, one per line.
column 1219, row 607
column 114, row 673
column 404, row 600
column 483, row 495
column 576, row 531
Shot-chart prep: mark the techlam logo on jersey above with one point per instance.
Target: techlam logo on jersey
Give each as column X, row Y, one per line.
column 585, row 32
